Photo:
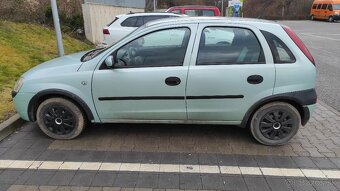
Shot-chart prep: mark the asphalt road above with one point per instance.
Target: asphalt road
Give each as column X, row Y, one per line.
column 323, row 40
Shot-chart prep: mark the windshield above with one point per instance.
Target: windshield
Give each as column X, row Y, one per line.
column 336, row 6
column 93, row 53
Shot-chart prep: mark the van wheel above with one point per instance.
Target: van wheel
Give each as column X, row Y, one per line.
column 275, row 123
column 312, row 17
column 60, row 118
column 330, row 19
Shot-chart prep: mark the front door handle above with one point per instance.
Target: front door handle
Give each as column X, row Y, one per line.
column 172, row 81
column 255, row 79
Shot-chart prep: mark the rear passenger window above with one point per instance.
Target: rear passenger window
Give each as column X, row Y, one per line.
column 280, row 51
column 130, row 22
column 319, row 6
column 226, row 46
column 314, row 6
column 324, row 6
column 208, row 13
column 192, row 13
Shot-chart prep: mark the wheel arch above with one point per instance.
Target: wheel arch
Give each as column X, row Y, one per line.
column 46, row 94
column 299, row 100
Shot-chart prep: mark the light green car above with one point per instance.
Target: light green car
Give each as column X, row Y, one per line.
column 242, row 72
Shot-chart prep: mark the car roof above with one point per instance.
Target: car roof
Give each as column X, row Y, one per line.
column 194, row 6
column 193, row 20
column 146, row 14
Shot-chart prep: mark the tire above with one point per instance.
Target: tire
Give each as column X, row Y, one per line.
column 330, row 19
column 60, row 119
column 270, row 130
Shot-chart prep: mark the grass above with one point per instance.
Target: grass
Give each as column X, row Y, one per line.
column 23, row 46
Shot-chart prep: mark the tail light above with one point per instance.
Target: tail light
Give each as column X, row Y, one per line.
column 106, row 31
column 299, row 43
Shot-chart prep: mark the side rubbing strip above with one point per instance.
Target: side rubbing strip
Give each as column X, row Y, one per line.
column 171, row 97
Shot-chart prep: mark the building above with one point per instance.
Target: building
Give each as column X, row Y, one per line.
column 98, row 13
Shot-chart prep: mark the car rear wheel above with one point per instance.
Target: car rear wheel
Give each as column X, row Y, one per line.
column 275, row 123
column 60, row 118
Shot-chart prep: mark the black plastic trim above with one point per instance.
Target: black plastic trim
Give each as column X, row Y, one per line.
column 14, row 93
column 33, row 104
column 171, row 97
column 299, row 98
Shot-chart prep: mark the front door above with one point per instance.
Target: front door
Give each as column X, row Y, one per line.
column 229, row 72
column 148, row 79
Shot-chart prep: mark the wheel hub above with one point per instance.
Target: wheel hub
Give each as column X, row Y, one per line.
column 277, row 125
column 58, row 121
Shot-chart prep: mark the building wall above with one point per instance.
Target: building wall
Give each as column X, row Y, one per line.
column 97, row 16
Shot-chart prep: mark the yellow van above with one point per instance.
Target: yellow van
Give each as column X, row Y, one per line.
column 325, row 10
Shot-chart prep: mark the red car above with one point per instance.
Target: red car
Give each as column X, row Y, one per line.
column 194, row 10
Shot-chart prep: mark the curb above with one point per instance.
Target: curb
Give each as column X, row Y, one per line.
column 329, row 107
column 10, row 125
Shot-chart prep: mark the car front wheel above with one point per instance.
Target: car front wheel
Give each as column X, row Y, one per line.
column 275, row 123
column 60, row 118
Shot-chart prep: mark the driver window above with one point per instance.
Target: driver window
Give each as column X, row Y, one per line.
column 157, row 49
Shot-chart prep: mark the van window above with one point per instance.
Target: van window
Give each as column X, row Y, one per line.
column 227, row 46
column 336, row 6
column 324, row 6
column 330, row 7
column 314, row 6
column 280, row 51
column 319, row 6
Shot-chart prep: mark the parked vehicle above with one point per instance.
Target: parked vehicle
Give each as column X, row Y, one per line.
column 244, row 72
column 325, row 10
column 123, row 25
column 194, row 10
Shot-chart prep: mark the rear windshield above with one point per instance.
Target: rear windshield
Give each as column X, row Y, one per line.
column 112, row 22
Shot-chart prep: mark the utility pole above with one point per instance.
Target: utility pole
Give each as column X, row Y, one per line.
column 57, row 27
column 222, row 9
column 154, row 5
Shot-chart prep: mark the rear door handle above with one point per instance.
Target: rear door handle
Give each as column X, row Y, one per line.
column 255, row 79
column 172, row 81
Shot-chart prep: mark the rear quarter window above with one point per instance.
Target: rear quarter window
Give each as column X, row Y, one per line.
column 130, row 22
column 314, row 6
column 281, row 53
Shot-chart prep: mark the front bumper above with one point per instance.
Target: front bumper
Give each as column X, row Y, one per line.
column 21, row 101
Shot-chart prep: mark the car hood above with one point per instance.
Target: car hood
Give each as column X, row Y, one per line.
column 64, row 64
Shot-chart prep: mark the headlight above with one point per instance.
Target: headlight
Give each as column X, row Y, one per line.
column 18, row 85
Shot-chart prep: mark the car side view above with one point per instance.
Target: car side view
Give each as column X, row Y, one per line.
column 242, row 72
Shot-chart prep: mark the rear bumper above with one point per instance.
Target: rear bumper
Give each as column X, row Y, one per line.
column 307, row 111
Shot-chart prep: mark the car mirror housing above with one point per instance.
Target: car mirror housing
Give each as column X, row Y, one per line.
column 109, row 61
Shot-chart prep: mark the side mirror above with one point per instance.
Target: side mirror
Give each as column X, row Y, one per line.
column 109, row 61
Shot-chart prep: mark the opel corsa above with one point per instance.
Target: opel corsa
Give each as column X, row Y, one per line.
column 242, row 72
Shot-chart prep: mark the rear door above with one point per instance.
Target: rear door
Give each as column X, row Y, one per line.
column 230, row 70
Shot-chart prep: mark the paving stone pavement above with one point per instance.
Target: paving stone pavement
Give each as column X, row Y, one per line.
column 207, row 158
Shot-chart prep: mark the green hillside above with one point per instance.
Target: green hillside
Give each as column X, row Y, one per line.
column 23, row 46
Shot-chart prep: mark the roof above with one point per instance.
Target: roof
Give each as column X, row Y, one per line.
column 208, row 19
column 193, row 6
column 147, row 14
column 119, row 3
